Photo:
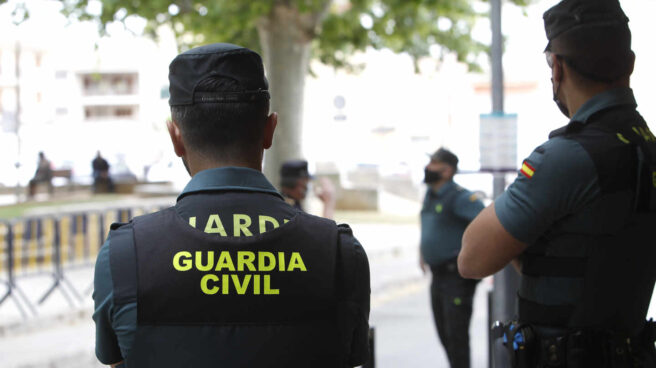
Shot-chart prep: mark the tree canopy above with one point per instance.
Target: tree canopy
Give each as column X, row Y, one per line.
column 336, row 28
column 289, row 33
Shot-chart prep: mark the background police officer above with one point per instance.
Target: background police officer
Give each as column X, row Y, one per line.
column 231, row 276
column 446, row 212
column 581, row 213
column 295, row 183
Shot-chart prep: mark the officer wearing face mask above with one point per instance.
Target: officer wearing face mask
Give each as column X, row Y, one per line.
column 579, row 219
column 447, row 210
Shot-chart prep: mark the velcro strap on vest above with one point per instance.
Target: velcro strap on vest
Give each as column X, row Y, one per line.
column 540, row 314
column 536, row 265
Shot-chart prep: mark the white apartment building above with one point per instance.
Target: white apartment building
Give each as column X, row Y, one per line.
column 72, row 94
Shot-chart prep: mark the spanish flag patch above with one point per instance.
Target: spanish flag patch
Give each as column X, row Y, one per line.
column 527, row 170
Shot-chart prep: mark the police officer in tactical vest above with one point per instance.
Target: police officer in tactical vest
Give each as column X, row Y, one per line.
column 231, row 276
column 579, row 219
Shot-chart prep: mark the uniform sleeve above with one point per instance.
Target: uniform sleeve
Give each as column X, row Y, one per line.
column 107, row 348
column 557, row 179
column 468, row 206
column 356, row 303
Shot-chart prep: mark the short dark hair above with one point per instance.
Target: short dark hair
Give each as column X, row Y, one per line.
column 222, row 129
column 597, row 53
column 445, row 156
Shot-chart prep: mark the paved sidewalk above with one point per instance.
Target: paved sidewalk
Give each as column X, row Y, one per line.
column 406, row 335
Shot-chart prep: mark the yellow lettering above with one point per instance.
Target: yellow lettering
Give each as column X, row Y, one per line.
column 245, row 259
column 225, row 261
column 256, row 284
column 184, row 264
column 192, row 221
column 241, row 287
column 214, row 225
column 226, row 283
column 199, row 261
column 264, row 220
column 281, row 261
column 286, row 221
column 203, row 284
column 647, row 134
column 240, row 226
column 296, row 262
column 262, row 258
column 267, row 286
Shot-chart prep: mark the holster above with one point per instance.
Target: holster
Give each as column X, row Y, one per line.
column 519, row 341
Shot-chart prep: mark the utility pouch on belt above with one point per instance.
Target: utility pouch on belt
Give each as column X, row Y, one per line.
column 519, row 341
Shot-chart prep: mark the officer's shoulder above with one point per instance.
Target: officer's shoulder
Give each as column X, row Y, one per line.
column 344, row 229
column 119, row 231
column 117, row 225
column 317, row 219
column 561, row 152
column 466, row 195
column 561, row 146
column 125, row 227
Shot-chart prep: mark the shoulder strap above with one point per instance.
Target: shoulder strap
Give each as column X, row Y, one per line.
column 123, row 263
column 645, row 200
column 123, row 258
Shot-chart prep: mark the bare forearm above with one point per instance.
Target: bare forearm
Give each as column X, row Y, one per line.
column 486, row 246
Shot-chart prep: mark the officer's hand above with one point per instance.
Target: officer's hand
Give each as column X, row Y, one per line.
column 326, row 191
column 422, row 264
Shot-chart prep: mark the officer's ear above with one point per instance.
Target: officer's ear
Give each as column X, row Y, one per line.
column 631, row 62
column 269, row 129
column 450, row 171
column 176, row 138
column 557, row 70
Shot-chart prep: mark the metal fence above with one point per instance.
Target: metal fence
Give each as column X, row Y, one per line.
column 51, row 245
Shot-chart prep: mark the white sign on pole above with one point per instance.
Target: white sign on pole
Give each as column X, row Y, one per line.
column 498, row 142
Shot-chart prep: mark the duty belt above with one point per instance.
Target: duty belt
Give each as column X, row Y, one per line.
column 572, row 349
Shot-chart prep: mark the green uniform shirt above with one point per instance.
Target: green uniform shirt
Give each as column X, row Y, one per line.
column 444, row 217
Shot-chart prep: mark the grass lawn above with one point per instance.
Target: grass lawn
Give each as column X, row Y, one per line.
column 19, row 210
column 352, row 217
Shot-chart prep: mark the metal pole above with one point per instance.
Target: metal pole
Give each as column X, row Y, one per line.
column 17, row 118
column 497, row 57
column 506, row 281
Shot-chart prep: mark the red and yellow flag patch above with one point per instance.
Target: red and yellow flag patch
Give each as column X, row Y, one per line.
column 527, row 170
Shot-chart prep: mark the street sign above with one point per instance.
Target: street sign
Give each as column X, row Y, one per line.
column 498, row 142
column 8, row 121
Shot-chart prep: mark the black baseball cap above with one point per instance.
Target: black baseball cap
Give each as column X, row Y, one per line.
column 569, row 15
column 295, row 169
column 238, row 64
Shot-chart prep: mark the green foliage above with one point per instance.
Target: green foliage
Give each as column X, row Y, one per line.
column 342, row 27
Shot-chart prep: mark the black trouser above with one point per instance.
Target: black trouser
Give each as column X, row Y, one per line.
column 452, row 298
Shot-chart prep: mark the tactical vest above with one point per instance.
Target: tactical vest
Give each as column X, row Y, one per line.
column 595, row 268
column 434, row 251
column 267, row 300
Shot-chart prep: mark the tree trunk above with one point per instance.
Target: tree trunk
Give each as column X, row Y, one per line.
column 285, row 36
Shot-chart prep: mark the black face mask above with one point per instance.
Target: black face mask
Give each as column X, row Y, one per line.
column 559, row 103
column 431, row 177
